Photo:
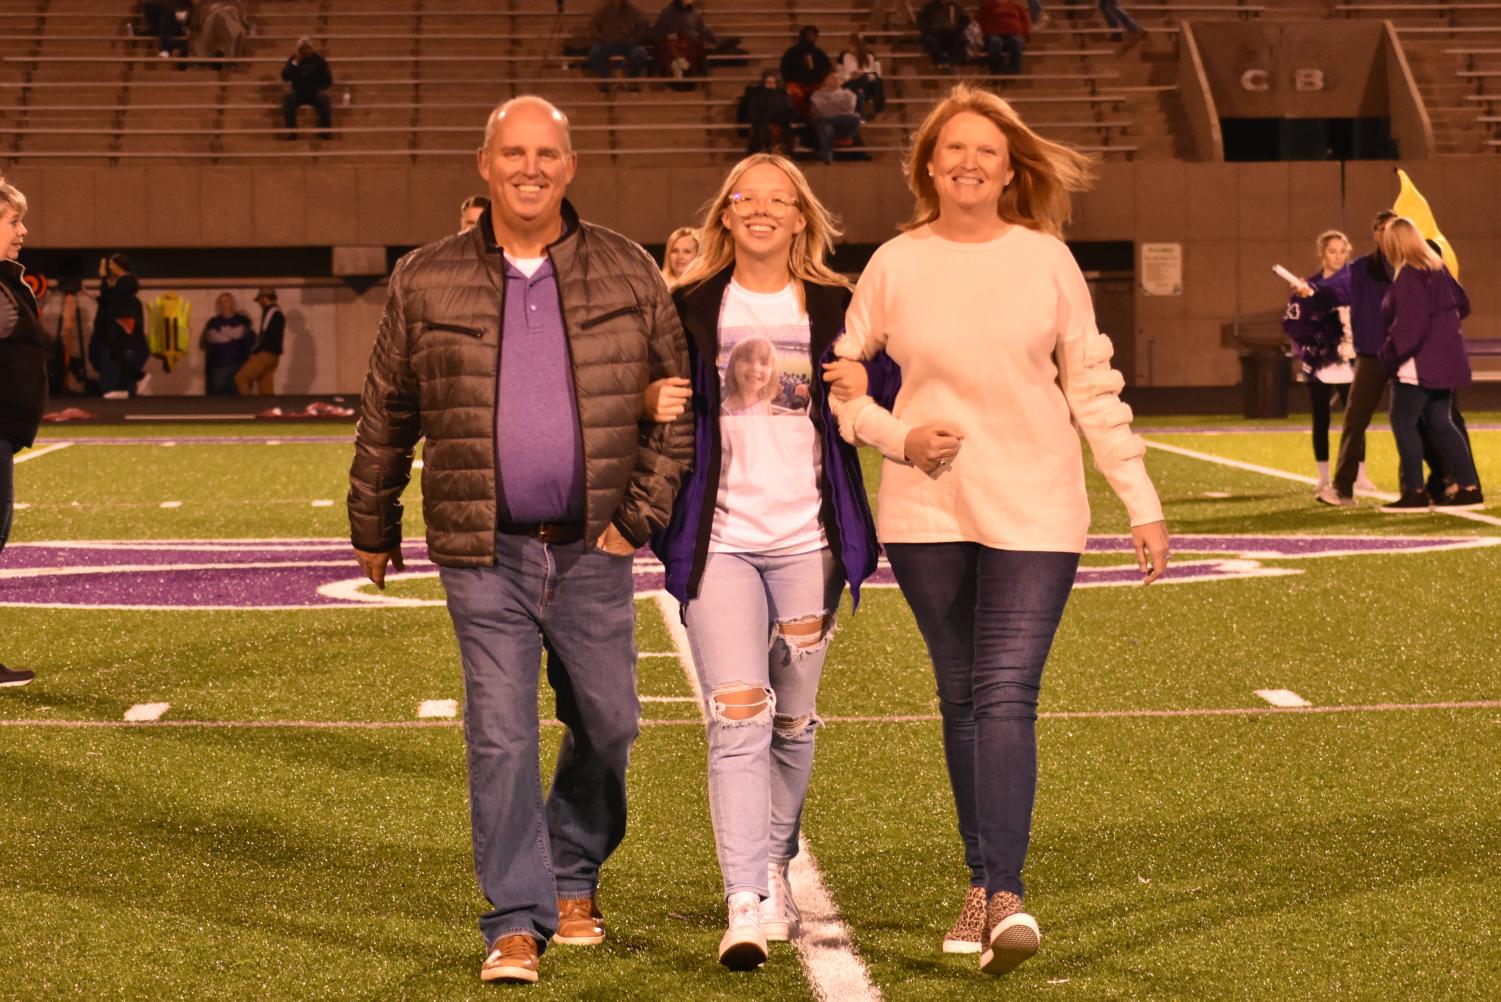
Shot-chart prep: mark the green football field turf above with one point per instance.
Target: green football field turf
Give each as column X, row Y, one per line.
column 307, row 839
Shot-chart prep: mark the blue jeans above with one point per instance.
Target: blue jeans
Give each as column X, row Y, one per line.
column 636, row 57
column 1414, row 405
column 7, row 489
column 831, row 127
column 988, row 618
column 760, row 762
column 1117, row 18
column 580, row 603
column 1005, row 53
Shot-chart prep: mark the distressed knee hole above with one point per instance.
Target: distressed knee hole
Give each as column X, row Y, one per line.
column 739, row 703
column 795, row 727
column 807, row 634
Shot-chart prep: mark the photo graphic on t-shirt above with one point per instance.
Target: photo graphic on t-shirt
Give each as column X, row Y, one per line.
column 764, row 371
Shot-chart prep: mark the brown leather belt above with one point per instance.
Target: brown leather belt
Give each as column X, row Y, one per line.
column 547, row 532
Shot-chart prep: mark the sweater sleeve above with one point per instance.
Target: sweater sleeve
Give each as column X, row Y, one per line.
column 1092, row 389
column 862, row 420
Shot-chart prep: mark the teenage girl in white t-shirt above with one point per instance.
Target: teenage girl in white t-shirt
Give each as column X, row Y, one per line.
column 769, row 527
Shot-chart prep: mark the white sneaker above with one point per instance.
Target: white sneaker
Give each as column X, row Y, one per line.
column 1323, row 486
column 117, row 395
column 779, row 914
column 1366, row 485
column 1330, row 496
column 743, row 945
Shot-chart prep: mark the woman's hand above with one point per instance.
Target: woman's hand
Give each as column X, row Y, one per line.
column 932, row 447
column 666, row 399
column 1150, row 543
column 846, row 378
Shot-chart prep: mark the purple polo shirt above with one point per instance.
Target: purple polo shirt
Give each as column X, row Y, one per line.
column 539, row 446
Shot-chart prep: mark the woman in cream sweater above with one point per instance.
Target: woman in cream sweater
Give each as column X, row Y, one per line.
column 982, row 504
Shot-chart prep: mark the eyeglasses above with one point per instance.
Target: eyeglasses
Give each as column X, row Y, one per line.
column 775, row 206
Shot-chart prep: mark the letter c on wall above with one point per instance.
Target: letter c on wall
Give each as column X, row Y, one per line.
column 1255, row 80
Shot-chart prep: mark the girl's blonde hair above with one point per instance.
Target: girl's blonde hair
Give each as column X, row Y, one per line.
column 1403, row 244
column 11, row 197
column 1047, row 173
column 765, row 348
column 1323, row 240
column 808, row 256
column 672, row 238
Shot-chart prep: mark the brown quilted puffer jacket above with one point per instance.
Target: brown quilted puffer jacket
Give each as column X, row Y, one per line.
column 433, row 373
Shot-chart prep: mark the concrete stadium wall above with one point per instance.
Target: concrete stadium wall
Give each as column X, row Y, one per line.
column 1234, row 221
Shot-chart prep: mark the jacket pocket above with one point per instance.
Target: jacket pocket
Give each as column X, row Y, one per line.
column 433, row 325
column 622, row 312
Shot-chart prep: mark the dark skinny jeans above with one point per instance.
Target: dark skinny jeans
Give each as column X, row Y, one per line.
column 1417, row 405
column 988, row 618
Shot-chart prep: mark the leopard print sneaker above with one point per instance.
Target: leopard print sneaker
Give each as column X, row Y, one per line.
column 964, row 936
column 1011, row 935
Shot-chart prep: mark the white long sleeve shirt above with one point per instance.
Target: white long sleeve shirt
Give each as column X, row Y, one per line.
column 998, row 339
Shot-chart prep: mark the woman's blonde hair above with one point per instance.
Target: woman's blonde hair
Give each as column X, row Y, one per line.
column 1323, row 240
column 672, row 238
column 1047, row 173
column 1403, row 244
column 11, row 197
column 764, row 348
column 810, row 249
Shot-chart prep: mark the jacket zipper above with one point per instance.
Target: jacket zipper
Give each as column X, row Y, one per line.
column 455, row 328
column 623, row 311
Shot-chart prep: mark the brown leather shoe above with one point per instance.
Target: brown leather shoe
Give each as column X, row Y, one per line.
column 1011, row 935
column 579, row 922
column 512, row 958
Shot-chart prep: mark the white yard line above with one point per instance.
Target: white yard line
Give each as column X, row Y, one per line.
column 323, row 503
column 823, row 942
column 1282, row 697
column 668, row 699
column 437, row 709
column 171, row 504
column 145, row 712
column 909, row 718
column 1208, row 457
column 38, row 452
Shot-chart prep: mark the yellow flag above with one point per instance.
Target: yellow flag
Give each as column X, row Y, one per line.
column 1411, row 203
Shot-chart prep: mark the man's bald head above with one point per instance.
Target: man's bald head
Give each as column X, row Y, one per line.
column 531, row 109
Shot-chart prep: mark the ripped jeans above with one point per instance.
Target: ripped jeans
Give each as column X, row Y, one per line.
column 759, row 631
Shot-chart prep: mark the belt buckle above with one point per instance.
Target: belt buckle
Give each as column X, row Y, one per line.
column 547, row 532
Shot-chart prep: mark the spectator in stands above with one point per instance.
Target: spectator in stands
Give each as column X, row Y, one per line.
column 941, row 24
column 217, row 30
column 1119, row 20
column 255, row 376
column 1425, row 353
column 168, row 21
column 769, row 112
column 618, row 28
column 118, row 347
column 681, row 38
column 1006, row 26
column 983, row 507
column 678, row 253
column 832, row 113
column 1317, row 321
column 860, row 72
column 470, row 209
column 805, row 64
column 1039, row 16
column 226, row 342
column 309, row 79
column 23, row 371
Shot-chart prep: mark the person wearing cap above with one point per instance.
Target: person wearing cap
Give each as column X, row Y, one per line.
column 256, row 374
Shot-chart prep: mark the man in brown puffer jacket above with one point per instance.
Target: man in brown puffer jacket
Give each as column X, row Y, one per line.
column 521, row 350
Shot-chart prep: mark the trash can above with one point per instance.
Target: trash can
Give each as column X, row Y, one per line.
column 1264, row 376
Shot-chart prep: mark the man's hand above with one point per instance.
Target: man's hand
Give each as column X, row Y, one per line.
column 374, row 564
column 931, row 447
column 847, row 379
column 666, row 399
column 613, row 543
column 1150, row 543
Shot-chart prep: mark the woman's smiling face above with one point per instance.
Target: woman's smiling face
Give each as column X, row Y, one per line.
column 971, row 163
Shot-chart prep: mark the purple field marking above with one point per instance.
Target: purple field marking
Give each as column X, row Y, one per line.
column 321, row 573
column 902, row 718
